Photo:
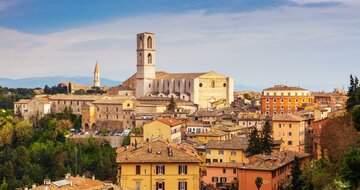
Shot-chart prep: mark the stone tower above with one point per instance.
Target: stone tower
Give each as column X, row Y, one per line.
column 96, row 75
column 146, row 57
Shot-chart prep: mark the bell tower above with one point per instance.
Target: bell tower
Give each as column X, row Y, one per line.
column 145, row 66
column 96, row 75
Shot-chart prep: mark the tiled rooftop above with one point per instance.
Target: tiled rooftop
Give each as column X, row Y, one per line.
column 158, row 151
column 236, row 143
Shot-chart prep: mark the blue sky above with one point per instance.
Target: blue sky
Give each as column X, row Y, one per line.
column 312, row 43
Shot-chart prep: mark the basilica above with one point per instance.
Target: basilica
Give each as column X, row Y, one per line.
column 204, row 89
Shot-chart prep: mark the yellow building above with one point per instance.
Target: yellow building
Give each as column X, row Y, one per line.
column 232, row 151
column 158, row 165
column 210, row 135
column 290, row 129
column 163, row 128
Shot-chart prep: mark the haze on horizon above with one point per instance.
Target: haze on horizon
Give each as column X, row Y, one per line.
column 311, row 43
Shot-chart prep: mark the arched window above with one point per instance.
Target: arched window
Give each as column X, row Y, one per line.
column 140, row 59
column 149, row 42
column 212, row 84
column 140, row 43
column 149, row 58
column 200, row 84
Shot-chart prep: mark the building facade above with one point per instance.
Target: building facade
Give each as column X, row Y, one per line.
column 290, row 129
column 201, row 88
column 282, row 99
column 158, row 165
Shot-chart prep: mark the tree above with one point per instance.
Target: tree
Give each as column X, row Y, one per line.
column 356, row 117
column 340, row 130
column 267, row 142
column 352, row 93
column 258, row 182
column 254, row 146
column 296, row 182
column 172, row 105
column 23, row 132
column 6, row 134
column 350, row 168
column 4, row 185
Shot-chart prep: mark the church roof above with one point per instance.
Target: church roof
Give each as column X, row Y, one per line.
column 166, row 76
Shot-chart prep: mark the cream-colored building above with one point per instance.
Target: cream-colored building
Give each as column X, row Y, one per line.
column 37, row 106
column 290, row 129
column 201, row 88
column 158, row 165
column 163, row 128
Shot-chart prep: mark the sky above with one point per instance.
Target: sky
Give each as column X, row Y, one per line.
column 310, row 43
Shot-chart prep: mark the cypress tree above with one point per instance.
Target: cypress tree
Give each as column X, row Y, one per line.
column 267, row 142
column 296, row 183
column 254, row 146
column 172, row 105
column 352, row 93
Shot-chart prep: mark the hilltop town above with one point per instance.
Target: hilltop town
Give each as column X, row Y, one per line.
column 160, row 130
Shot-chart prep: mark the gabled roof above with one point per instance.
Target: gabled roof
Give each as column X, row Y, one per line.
column 284, row 88
column 288, row 117
column 157, row 152
column 170, row 122
column 236, row 143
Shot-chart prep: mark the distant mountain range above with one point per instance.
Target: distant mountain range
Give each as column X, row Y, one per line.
column 34, row 82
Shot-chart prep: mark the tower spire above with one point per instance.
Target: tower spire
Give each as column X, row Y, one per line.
column 97, row 75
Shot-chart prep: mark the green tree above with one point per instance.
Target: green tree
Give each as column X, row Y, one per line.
column 296, row 182
column 171, row 107
column 258, row 182
column 356, row 117
column 4, row 185
column 23, row 132
column 267, row 142
column 352, row 93
column 254, row 146
column 126, row 141
column 6, row 134
column 350, row 167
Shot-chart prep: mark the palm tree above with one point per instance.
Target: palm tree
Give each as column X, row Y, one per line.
column 258, row 182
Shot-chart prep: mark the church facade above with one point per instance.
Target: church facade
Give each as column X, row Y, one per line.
column 204, row 89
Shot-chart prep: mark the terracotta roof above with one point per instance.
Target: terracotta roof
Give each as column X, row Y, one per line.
column 42, row 100
column 236, row 143
column 288, row 117
column 110, row 101
column 209, row 134
column 206, row 113
column 78, row 183
column 284, row 88
column 224, row 165
column 157, row 152
column 76, row 97
column 170, row 122
column 273, row 161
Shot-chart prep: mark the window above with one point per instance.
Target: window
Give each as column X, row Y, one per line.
column 208, row 161
column 212, row 84
column 182, row 185
column 290, row 126
column 215, row 160
column 282, row 100
column 149, row 58
column 149, row 42
column 215, row 179
column 279, row 125
column 220, row 160
column 275, row 107
column 289, row 100
column 289, row 142
column 138, row 170
column 223, row 179
column 233, row 153
column 267, row 107
column 221, row 152
column 234, row 171
column 183, row 169
column 289, row 134
column 137, row 185
column 160, row 185
column 224, row 171
column 224, row 84
column 275, row 100
column 267, row 100
column 200, row 84
column 160, row 170
column 208, row 151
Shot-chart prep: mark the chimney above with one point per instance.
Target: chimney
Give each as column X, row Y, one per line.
column 47, row 183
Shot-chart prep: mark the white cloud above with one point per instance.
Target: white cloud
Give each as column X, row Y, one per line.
column 285, row 45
